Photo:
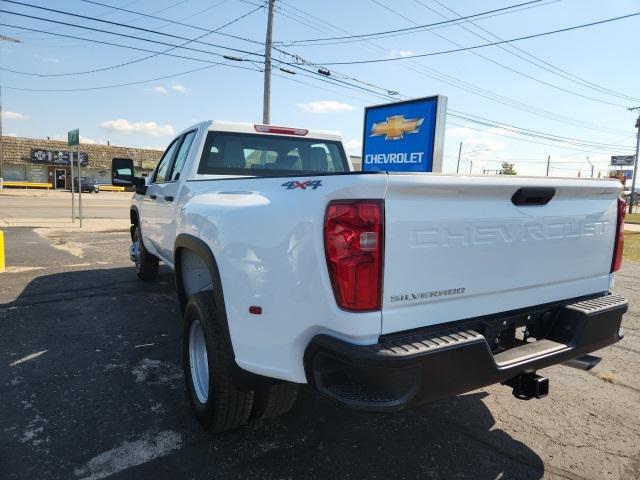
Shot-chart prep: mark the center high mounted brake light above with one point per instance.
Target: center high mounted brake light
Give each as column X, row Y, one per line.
column 354, row 247
column 282, row 130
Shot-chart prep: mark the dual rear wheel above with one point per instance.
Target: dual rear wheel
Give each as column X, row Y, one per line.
column 207, row 360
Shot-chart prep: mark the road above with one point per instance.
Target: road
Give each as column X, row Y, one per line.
column 57, row 204
column 92, row 387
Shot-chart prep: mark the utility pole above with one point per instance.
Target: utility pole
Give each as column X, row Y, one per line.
column 635, row 163
column 470, row 166
column 459, row 153
column 13, row 40
column 548, row 164
column 266, row 100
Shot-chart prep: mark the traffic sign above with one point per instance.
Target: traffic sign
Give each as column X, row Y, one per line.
column 73, row 137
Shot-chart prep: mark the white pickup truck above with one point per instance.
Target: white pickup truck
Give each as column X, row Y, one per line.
column 380, row 290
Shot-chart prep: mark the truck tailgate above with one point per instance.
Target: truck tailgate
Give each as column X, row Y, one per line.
column 458, row 247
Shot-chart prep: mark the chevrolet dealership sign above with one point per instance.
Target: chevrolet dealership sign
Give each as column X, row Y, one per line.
column 405, row 136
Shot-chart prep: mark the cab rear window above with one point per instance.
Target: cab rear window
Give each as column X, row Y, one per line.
column 262, row 155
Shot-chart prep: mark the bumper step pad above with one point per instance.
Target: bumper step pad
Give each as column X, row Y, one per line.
column 425, row 365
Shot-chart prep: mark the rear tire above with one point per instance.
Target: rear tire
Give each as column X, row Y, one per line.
column 274, row 400
column 147, row 264
column 217, row 403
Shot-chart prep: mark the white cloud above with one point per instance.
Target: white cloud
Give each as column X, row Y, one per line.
column 149, row 128
column 10, row 135
column 354, row 146
column 14, row 115
column 474, row 139
column 92, row 141
column 400, row 53
column 325, row 106
column 178, row 88
column 159, row 89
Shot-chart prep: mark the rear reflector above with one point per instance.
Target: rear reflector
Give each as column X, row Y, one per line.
column 618, row 247
column 354, row 243
column 280, row 130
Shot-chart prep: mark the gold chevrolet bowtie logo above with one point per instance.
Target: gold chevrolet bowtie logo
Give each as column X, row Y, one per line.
column 395, row 127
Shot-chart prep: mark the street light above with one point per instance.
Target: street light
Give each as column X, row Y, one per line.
column 3, row 38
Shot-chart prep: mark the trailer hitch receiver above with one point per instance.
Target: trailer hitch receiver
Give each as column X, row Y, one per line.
column 528, row 385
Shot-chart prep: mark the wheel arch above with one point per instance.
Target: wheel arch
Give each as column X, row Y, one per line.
column 241, row 378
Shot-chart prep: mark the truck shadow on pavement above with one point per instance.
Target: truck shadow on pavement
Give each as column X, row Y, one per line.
column 105, row 397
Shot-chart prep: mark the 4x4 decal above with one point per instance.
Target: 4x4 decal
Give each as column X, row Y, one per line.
column 313, row 184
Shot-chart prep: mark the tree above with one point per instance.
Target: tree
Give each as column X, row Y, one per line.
column 507, row 169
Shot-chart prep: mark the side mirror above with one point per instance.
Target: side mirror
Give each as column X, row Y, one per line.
column 141, row 185
column 122, row 172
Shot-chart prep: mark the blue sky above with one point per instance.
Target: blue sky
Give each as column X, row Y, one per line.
column 148, row 114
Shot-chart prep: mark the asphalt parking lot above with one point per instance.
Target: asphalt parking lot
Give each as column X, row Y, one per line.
column 92, row 388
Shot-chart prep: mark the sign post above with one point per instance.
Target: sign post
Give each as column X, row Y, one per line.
column 79, row 185
column 73, row 139
column 405, row 136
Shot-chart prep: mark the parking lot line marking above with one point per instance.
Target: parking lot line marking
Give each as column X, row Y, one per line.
column 27, row 358
column 2, row 265
column 131, row 454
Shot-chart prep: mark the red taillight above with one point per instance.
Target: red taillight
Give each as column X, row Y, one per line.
column 354, row 242
column 619, row 242
column 280, row 130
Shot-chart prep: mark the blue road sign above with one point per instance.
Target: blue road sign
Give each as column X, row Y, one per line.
column 404, row 136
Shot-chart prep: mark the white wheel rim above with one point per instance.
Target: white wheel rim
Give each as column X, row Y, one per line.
column 198, row 361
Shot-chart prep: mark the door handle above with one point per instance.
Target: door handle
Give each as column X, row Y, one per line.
column 153, row 196
column 168, row 198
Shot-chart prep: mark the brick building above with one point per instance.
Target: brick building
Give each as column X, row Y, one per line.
column 42, row 160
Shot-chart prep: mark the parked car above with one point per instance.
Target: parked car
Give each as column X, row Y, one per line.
column 88, row 185
column 381, row 290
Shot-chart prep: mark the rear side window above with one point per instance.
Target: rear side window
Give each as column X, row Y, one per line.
column 163, row 166
column 269, row 155
column 181, row 157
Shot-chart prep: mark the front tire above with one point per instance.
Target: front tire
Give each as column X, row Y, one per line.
column 146, row 264
column 206, row 359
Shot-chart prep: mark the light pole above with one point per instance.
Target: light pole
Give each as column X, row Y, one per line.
column 635, row 163
column 591, row 165
column 14, row 40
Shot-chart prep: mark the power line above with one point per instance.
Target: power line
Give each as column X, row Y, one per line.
column 545, row 65
column 119, row 24
column 530, row 133
column 564, row 139
column 507, row 125
column 519, row 139
column 408, row 29
column 104, row 42
column 177, row 22
column 491, row 44
column 429, row 72
column 349, row 39
column 104, row 87
column 502, row 65
column 111, row 67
